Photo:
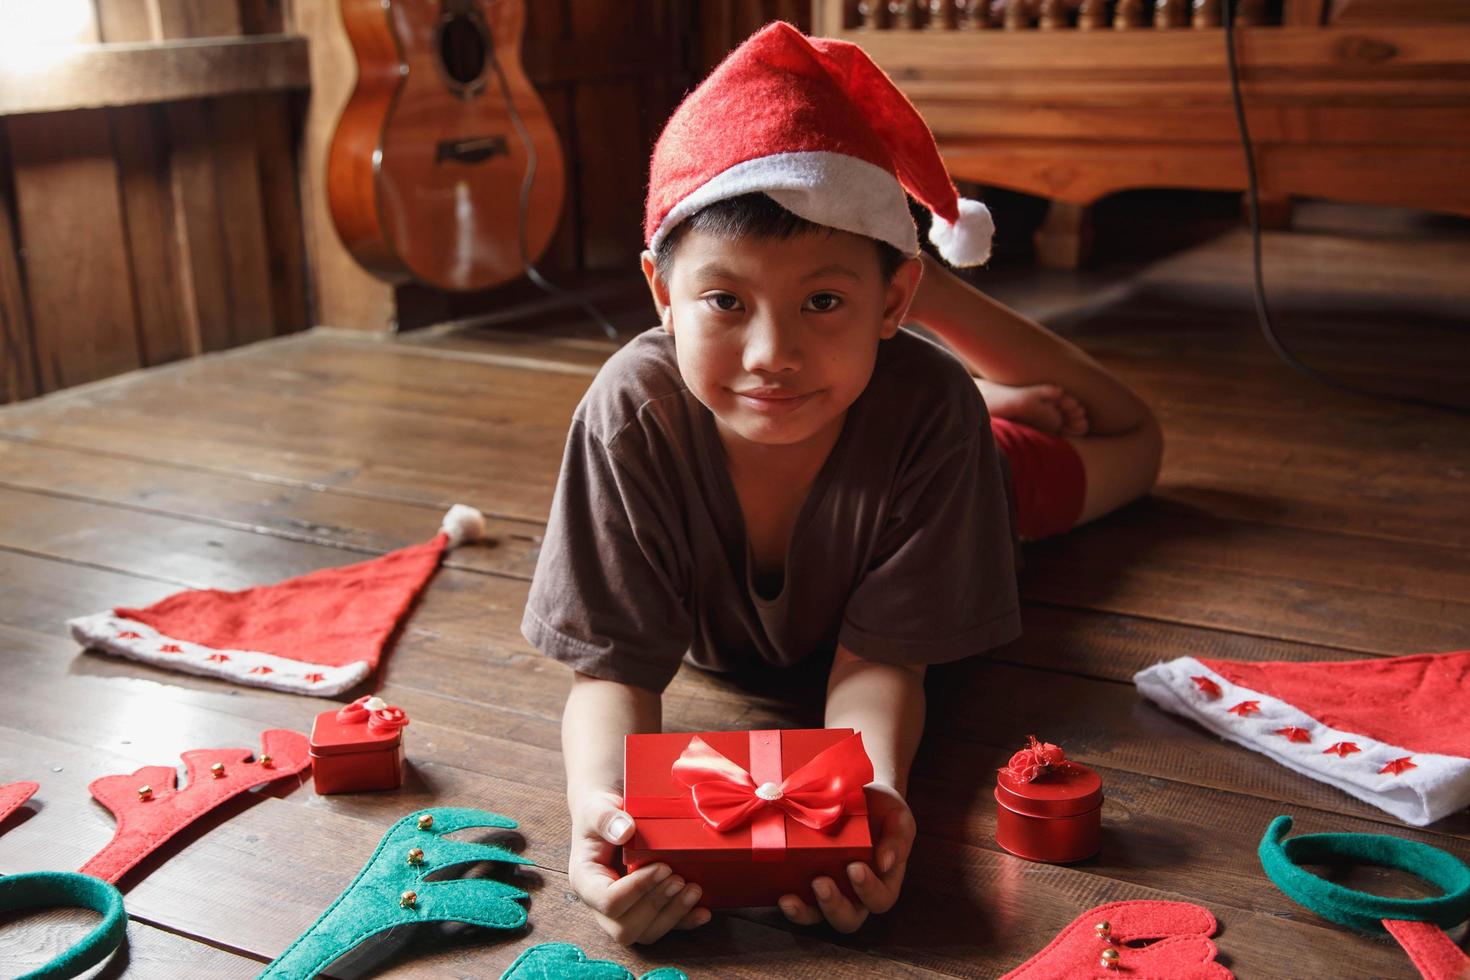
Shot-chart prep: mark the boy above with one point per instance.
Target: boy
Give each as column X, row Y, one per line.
column 779, row 471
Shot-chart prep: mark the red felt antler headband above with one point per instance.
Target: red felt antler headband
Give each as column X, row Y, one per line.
column 150, row 809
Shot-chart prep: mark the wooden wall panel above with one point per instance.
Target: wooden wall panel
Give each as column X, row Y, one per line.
column 275, row 122
column 69, row 220
column 216, row 174
column 140, row 139
column 18, row 373
column 548, row 24
column 241, row 217
column 139, row 234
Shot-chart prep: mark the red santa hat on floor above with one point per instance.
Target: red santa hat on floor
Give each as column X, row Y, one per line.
column 817, row 126
column 1392, row 732
column 320, row 633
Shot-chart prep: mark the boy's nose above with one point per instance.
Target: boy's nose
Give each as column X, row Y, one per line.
column 770, row 347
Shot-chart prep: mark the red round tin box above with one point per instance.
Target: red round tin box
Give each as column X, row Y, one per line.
column 1055, row 817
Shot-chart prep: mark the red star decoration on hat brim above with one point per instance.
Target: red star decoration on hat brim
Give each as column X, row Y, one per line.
column 261, row 670
column 316, row 678
column 170, row 648
column 1293, row 734
column 1207, row 687
column 1398, row 765
column 1245, row 708
column 1341, row 749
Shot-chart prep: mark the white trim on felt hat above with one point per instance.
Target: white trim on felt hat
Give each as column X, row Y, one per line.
column 1436, row 785
column 129, row 638
column 831, row 189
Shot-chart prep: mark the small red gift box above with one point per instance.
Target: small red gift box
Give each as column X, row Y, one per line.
column 1048, row 808
column 749, row 816
column 358, row 748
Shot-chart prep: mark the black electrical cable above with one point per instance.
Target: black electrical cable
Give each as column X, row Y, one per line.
column 525, row 206
column 1253, row 204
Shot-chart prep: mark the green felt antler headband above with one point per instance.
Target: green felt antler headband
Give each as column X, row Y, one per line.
column 392, row 890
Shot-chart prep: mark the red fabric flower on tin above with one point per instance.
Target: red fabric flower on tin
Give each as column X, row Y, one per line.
column 1035, row 759
column 379, row 714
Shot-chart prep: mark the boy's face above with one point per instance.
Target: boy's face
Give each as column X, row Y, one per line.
column 778, row 337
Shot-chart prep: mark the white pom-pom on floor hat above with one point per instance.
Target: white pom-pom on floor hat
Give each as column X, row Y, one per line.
column 817, row 126
column 320, row 633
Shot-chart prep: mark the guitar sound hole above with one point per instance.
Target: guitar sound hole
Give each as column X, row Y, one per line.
column 462, row 49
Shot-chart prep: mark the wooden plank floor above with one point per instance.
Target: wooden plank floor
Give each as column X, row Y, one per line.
column 1292, row 522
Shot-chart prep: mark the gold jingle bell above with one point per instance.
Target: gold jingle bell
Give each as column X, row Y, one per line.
column 145, row 793
column 416, row 855
column 266, row 762
column 426, row 820
column 1109, row 959
column 218, row 770
column 408, row 899
column 1104, row 931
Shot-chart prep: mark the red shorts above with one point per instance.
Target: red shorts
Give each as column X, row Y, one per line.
column 1046, row 475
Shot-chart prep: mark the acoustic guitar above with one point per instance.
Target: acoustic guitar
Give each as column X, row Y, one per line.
column 426, row 170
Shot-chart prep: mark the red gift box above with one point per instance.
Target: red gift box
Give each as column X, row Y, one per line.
column 749, row 816
column 358, row 748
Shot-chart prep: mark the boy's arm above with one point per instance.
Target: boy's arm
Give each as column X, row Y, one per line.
column 885, row 702
column 641, row 906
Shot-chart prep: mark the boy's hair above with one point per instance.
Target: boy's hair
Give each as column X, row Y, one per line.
column 758, row 215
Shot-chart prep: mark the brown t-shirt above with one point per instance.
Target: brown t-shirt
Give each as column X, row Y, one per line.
column 905, row 550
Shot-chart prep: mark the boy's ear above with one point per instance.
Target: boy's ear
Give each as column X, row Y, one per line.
column 658, row 288
column 902, row 289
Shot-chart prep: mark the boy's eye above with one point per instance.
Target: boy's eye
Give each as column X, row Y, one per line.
column 826, row 302
column 724, row 302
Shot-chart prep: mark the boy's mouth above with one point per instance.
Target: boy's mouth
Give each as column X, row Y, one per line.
column 772, row 401
column 774, row 394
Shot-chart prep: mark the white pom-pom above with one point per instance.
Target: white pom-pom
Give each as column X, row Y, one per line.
column 375, row 703
column 463, row 523
column 967, row 241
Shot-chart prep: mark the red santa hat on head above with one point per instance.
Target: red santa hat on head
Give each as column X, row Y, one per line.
column 1392, row 732
column 817, row 126
column 320, row 633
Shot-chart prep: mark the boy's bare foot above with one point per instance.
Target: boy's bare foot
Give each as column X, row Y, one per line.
column 1046, row 407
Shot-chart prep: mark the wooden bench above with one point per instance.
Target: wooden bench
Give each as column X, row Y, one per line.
column 1072, row 100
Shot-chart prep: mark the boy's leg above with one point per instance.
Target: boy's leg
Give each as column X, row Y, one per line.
column 1124, row 446
column 1120, row 468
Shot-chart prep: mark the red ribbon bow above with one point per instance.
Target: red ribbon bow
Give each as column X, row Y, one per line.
column 726, row 796
column 380, row 718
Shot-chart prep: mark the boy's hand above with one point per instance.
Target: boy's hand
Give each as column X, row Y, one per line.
column 638, row 907
column 877, row 892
